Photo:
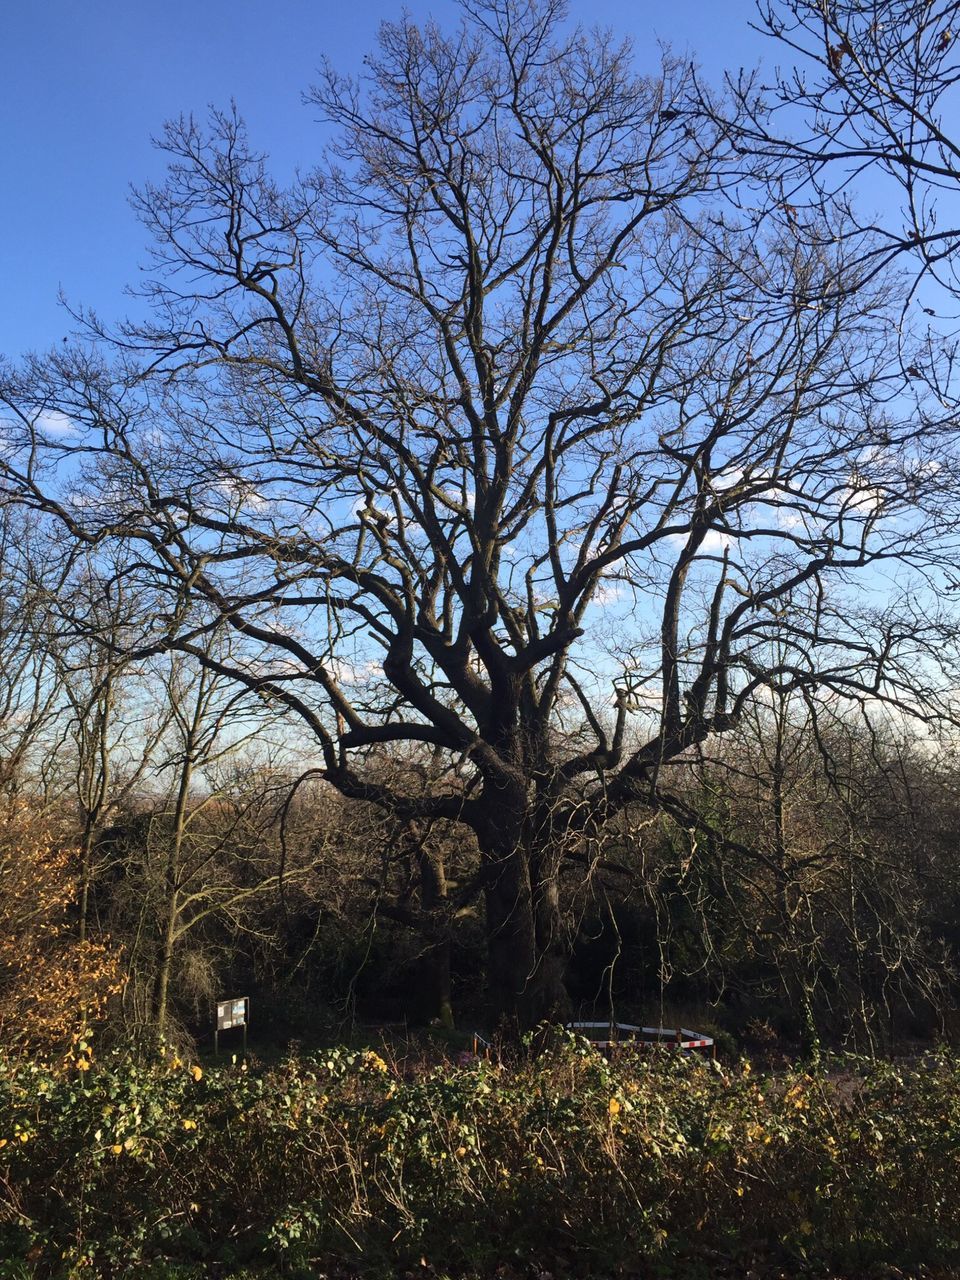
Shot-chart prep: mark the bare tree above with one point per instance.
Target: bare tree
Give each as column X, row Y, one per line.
column 501, row 439
column 106, row 736
column 210, row 725
column 30, row 693
column 793, row 844
column 822, row 879
column 865, row 116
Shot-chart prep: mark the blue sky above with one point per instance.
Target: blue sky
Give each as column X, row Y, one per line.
column 83, row 87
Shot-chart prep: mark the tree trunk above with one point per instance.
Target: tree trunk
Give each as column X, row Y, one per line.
column 86, row 876
column 442, row 992
column 433, row 893
column 172, row 873
column 525, row 954
column 511, row 943
column 551, row 1000
column 161, row 998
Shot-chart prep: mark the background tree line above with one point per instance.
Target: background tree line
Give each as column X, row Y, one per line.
column 521, row 547
column 163, row 846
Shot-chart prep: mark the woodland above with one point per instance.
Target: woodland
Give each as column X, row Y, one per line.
column 504, row 576
column 509, row 573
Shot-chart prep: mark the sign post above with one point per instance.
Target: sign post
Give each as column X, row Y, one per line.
column 231, row 1013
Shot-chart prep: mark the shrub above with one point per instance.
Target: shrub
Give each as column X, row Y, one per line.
column 582, row 1165
column 52, row 986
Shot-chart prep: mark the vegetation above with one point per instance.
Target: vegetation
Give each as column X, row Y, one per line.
column 512, row 457
column 567, row 1164
column 508, row 572
column 49, row 979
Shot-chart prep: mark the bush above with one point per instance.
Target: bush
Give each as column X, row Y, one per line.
column 52, row 986
column 583, row 1166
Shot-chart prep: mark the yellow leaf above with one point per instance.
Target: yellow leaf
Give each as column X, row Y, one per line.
column 197, row 1073
column 806, row 1227
column 189, row 1124
column 116, row 1149
column 614, row 1107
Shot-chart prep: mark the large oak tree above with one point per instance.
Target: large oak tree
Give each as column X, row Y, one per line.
column 505, row 441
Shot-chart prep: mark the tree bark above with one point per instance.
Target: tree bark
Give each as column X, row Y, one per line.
column 433, row 889
column 511, row 942
column 525, row 951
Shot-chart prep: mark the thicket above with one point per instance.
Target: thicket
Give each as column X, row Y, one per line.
column 565, row 1162
column 839, row 927
column 822, row 909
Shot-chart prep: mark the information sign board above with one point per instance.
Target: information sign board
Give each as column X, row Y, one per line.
column 231, row 1013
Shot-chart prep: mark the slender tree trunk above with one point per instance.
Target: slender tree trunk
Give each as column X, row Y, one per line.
column 551, row 1001
column 95, row 790
column 433, row 889
column 442, row 982
column 171, row 928
column 86, row 877
column 161, row 998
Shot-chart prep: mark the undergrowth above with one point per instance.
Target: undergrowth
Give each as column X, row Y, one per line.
column 564, row 1163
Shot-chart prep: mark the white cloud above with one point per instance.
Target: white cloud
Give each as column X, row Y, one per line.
column 874, row 453
column 237, row 491
column 457, row 498
column 51, row 422
column 726, row 479
column 926, row 470
column 346, row 672
column 364, row 509
column 787, row 519
column 859, row 498
column 716, row 540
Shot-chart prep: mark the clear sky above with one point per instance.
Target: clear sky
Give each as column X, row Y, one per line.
column 84, row 86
